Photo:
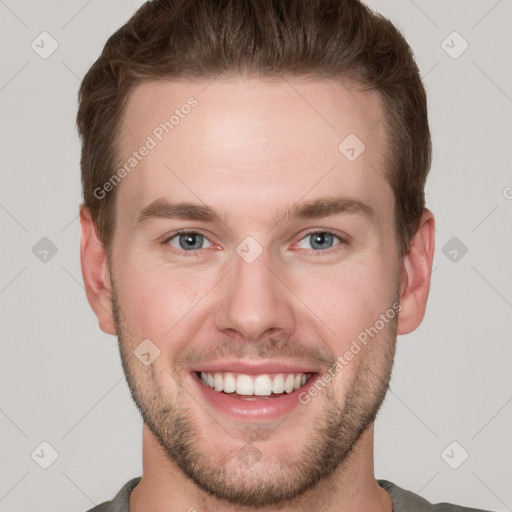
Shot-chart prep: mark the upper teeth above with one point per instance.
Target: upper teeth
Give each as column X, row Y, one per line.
column 261, row 385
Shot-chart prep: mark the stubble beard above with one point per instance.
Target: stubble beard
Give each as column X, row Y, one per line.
column 268, row 481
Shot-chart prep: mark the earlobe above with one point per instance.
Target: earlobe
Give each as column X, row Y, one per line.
column 416, row 270
column 93, row 259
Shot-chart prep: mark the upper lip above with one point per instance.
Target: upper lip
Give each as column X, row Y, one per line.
column 255, row 368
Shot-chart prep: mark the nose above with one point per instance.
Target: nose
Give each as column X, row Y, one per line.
column 254, row 302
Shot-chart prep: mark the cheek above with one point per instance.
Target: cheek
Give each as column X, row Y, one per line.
column 348, row 298
column 351, row 303
column 155, row 298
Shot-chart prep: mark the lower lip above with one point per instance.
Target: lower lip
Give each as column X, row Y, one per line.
column 261, row 408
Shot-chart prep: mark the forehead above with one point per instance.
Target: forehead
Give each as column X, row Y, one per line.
column 266, row 141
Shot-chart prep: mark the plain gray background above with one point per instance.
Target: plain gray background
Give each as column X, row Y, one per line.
column 61, row 378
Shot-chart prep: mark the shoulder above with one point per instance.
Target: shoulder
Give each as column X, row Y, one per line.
column 407, row 501
column 121, row 501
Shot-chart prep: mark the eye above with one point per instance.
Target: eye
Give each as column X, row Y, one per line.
column 319, row 240
column 188, row 241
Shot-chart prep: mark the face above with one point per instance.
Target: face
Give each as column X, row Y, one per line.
column 254, row 251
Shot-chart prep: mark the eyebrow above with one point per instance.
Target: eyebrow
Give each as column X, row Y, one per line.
column 318, row 208
column 326, row 207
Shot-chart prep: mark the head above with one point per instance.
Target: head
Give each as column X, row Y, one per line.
column 290, row 141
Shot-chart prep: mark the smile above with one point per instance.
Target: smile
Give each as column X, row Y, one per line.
column 246, row 386
column 253, row 392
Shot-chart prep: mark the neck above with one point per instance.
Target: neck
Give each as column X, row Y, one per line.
column 352, row 487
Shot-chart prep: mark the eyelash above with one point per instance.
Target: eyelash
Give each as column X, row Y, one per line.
column 342, row 241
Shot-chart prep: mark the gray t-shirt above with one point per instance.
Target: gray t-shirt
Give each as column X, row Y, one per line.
column 403, row 501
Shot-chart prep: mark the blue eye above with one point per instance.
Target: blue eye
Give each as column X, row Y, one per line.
column 191, row 241
column 188, row 241
column 320, row 240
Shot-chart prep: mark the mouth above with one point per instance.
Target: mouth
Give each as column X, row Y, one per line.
column 243, row 386
column 251, row 394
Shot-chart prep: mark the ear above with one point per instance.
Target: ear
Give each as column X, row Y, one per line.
column 93, row 259
column 416, row 270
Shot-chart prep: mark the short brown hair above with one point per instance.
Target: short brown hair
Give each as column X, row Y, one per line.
column 206, row 38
